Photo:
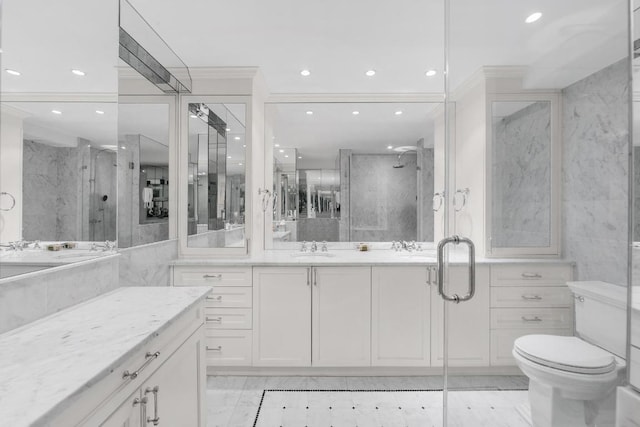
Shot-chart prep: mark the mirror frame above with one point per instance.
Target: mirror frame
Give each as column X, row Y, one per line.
column 554, row 248
column 185, row 251
column 170, row 100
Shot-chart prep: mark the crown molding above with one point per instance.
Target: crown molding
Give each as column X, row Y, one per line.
column 59, row 97
column 355, row 97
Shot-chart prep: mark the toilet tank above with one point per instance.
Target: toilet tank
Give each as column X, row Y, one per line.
column 601, row 315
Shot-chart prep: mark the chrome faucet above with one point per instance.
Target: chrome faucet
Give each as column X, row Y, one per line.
column 303, row 248
column 314, row 246
column 324, row 246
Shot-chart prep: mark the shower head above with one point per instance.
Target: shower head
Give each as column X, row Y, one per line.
column 398, row 166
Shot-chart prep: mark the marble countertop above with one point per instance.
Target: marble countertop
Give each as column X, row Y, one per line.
column 345, row 257
column 45, row 365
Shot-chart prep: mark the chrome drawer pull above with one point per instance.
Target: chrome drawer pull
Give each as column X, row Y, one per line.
column 218, row 348
column 532, row 297
column 156, row 418
column 150, row 358
column 212, row 276
column 218, row 298
column 531, row 319
column 214, row 319
column 531, row 276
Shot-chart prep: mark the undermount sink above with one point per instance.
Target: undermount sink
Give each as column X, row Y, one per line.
column 312, row 254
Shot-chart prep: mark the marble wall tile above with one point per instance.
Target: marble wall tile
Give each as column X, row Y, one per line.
column 521, row 178
column 149, row 233
column 147, row 265
column 595, row 174
column 425, row 196
column 21, row 303
column 318, row 229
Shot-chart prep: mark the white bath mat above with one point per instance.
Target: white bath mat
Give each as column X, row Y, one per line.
column 389, row 408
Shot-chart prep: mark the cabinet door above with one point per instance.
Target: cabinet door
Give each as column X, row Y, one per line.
column 341, row 316
column 176, row 390
column 282, row 316
column 127, row 415
column 468, row 322
column 400, row 329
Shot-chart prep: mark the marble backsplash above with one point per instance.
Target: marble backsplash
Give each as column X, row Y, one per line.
column 147, row 265
column 595, row 174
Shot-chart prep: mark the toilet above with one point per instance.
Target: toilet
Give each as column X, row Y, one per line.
column 572, row 380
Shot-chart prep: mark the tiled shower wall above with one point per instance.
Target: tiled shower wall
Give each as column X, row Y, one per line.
column 595, row 174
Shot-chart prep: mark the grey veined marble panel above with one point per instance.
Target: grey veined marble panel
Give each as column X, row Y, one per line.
column 595, row 174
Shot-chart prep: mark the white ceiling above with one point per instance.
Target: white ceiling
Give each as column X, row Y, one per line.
column 337, row 40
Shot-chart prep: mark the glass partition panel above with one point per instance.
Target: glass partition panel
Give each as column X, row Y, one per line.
column 352, row 171
column 216, row 181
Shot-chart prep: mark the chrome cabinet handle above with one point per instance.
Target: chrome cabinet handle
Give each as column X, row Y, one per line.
column 218, row 298
column 531, row 319
column 531, row 276
column 579, row 298
column 156, row 418
column 218, row 348
column 315, row 277
column 143, row 406
column 214, row 319
column 212, row 276
column 531, row 297
column 472, row 268
column 308, row 276
column 133, row 375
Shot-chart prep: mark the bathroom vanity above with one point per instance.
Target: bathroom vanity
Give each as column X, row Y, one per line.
column 377, row 310
column 129, row 357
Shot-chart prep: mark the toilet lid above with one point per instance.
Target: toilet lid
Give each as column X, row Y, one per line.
column 570, row 354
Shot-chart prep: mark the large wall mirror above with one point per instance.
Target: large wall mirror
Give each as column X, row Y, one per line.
column 216, row 165
column 351, row 172
column 58, row 149
column 523, row 180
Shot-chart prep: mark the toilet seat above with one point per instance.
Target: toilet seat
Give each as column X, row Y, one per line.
column 569, row 354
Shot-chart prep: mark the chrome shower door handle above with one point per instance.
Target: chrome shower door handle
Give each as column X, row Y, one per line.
column 472, row 268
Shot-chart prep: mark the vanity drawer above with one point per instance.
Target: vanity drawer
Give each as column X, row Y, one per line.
column 531, row 318
column 228, row 318
column 531, row 296
column 228, row 347
column 229, row 296
column 211, row 276
column 502, row 343
column 530, row 275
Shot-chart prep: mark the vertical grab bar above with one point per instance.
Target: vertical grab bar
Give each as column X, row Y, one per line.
column 472, row 268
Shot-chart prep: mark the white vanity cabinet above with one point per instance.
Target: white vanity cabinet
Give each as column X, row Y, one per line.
column 228, row 309
column 282, row 316
column 341, row 316
column 468, row 322
column 528, row 299
column 401, row 316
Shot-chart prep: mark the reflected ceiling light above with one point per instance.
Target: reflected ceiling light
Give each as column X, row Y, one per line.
column 78, row 72
column 193, row 116
column 309, row 113
column 56, row 111
column 370, row 73
column 389, row 147
column 123, row 147
column 282, row 151
column 286, row 156
column 99, row 112
column 276, row 145
column 305, row 73
column 228, row 129
column 299, row 157
column 228, row 157
column 13, row 72
column 533, row 17
column 245, row 146
column 237, row 138
column 430, row 73
column 355, row 113
column 239, row 164
column 397, row 113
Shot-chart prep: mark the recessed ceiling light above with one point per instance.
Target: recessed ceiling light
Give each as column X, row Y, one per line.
column 371, row 73
column 397, row 113
column 276, row 145
column 431, row 73
column 245, row 146
column 355, row 113
column 237, row 138
column 123, row 147
column 299, row 157
column 228, row 157
column 282, row 151
column 13, row 72
column 305, row 73
column 228, row 129
column 286, row 156
column 56, row 111
column 533, row 17
column 309, row 113
column 239, row 164
column 78, row 72
column 389, row 147
column 99, row 112
column 193, row 116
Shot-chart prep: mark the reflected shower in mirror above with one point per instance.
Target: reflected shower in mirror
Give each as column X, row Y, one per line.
column 352, row 172
column 143, row 173
column 69, row 168
column 216, row 170
column 521, row 174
